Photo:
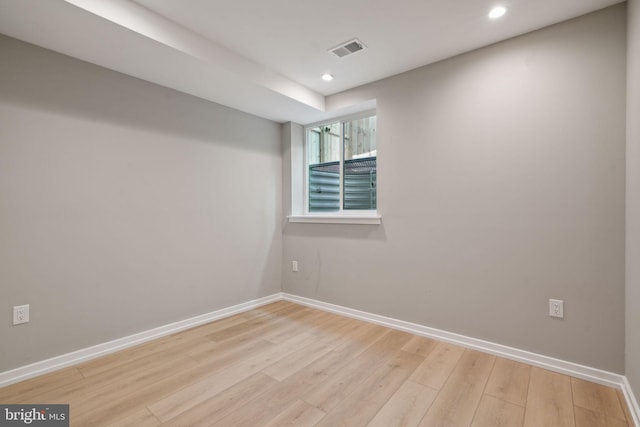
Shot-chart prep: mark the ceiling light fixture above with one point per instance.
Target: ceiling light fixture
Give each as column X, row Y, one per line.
column 327, row 77
column 497, row 12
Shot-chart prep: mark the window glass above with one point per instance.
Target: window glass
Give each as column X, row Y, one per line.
column 344, row 154
column 360, row 155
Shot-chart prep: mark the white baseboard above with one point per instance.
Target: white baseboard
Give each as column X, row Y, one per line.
column 568, row 368
column 561, row 366
column 632, row 402
column 29, row 371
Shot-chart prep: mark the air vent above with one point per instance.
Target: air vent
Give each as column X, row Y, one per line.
column 347, row 48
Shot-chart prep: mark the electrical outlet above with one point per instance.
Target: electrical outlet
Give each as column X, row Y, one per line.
column 20, row 314
column 556, row 308
column 294, row 265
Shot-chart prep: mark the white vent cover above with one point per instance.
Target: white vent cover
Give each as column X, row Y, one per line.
column 347, row 48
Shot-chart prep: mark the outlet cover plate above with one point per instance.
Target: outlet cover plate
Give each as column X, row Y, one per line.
column 20, row 314
column 556, row 308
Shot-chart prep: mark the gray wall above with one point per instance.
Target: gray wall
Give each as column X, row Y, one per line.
column 501, row 185
column 125, row 205
column 633, row 198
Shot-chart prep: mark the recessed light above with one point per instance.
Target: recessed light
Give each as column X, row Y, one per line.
column 327, row 77
column 497, row 12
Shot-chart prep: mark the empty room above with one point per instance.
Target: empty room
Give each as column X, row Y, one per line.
column 342, row 213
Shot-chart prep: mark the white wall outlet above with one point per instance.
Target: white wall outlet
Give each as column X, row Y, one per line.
column 20, row 314
column 294, row 265
column 556, row 308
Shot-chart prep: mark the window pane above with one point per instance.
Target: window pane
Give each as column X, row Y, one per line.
column 360, row 157
column 360, row 138
column 323, row 144
column 323, row 158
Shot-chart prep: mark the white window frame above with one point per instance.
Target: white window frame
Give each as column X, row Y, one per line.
column 367, row 217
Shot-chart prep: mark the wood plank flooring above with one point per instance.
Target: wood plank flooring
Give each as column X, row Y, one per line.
column 289, row 365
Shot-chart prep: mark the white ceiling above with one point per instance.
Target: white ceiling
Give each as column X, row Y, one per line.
column 266, row 57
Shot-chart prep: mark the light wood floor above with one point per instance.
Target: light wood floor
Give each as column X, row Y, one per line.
column 285, row 364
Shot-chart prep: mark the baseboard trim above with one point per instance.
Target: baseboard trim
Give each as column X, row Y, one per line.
column 568, row 368
column 39, row 368
column 556, row 365
column 632, row 402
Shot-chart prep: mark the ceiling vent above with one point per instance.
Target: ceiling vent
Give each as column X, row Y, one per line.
column 347, row 48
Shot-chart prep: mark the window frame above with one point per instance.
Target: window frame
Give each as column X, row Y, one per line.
column 368, row 216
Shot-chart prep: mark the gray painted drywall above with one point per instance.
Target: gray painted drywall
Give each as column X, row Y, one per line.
column 292, row 157
column 286, row 129
column 292, row 167
column 633, row 198
column 501, row 185
column 125, row 205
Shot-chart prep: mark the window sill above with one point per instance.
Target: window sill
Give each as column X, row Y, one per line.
column 363, row 219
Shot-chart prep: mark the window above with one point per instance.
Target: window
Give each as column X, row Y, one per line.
column 341, row 175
